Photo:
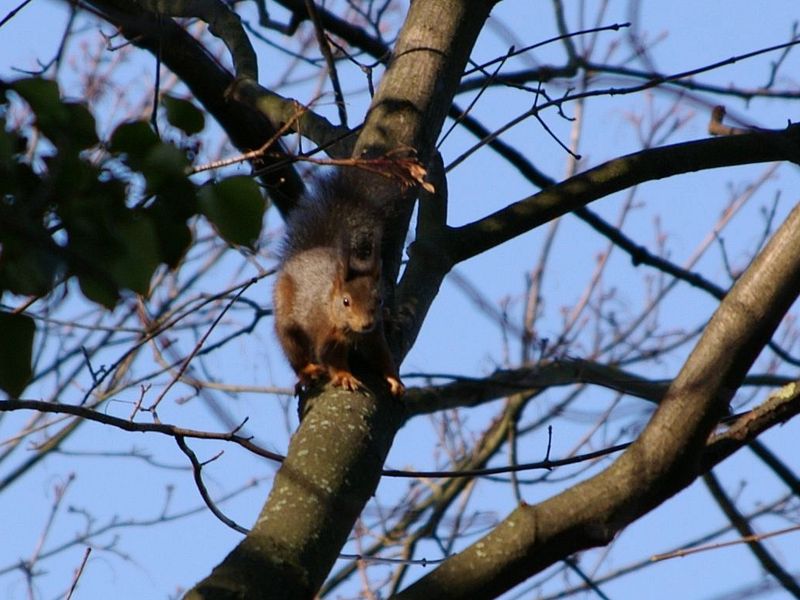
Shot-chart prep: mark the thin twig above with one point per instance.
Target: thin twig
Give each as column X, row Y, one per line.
column 650, row 83
column 13, row 12
column 543, row 464
column 258, row 153
column 197, row 469
column 705, row 548
column 742, row 525
column 197, row 347
column 319, row 30
column 78, row 573
column 163, row 428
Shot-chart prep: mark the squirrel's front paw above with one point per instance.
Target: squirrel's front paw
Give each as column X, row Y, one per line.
column 396, row 387
column 346, row 380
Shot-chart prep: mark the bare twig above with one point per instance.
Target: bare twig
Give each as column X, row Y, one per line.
column 744, row 528
column 197, row 347
column 705, row 548
column 319, row 30
column 197, row 469
column 78, row 573
column 128, row 425
column 13, row 12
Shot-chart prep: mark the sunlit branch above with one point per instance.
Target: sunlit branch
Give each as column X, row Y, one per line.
column 618, row 174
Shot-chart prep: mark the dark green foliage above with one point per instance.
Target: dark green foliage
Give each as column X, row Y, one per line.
column 16, row 345
column 107, row 215
column 133, row 140
column 69, row 213
column 184, row 115
column 236, row 207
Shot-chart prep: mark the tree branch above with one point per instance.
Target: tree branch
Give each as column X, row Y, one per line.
column 664, row 459
column 468, row 392
column 742, row 525
column 209, row 82
column 89, row 414
column 334, row 460
column 467, row 241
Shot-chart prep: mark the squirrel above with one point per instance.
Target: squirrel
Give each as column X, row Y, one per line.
column 328, row 292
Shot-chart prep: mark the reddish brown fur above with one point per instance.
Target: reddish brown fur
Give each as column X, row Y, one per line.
column 321, row 315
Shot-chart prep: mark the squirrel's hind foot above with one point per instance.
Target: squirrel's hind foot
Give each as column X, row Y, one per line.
column 308, row 376
column 311, row 372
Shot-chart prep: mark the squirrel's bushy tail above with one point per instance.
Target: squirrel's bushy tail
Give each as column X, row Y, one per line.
column 338, row 212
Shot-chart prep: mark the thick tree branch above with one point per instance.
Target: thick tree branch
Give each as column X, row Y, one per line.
column 462, row 243
column 466, row 392
column 410, row 106
column 335, row 457
column 664, row 459
column 283, row 112
column 209, row 82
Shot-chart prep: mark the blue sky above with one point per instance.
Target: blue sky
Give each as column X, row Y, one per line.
column 154, row 560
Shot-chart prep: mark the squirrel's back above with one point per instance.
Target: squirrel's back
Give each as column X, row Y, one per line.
column 336, row 213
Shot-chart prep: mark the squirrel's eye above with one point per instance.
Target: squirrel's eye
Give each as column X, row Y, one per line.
column 346, row 301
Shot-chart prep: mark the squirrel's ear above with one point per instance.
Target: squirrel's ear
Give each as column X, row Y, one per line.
column 340, row 277
column 365, row 254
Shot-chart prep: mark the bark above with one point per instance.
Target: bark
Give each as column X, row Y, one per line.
column 665, row 459
column 334, row 460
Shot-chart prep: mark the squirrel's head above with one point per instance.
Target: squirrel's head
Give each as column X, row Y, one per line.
column 357, row 303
